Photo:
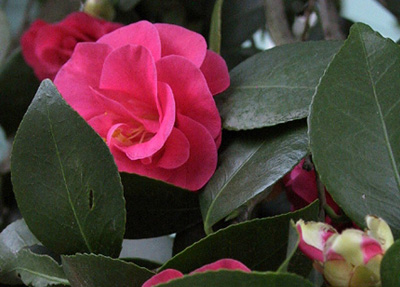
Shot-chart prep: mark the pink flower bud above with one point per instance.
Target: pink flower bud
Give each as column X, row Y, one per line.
column 351, row 258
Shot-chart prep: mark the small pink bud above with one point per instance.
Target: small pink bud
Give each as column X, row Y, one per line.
column 351, row 258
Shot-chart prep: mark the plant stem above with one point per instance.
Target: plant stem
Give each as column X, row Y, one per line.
column 307, row 14
column 329, row 18
column 277, row 22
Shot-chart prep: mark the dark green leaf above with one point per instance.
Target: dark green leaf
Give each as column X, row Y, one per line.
column 260, row 244
column 226, row 278
column 215, row 29
column 65, row 180
column 18, row 85
column 17, row 263
column 155, row 208
column 4, row 35
column 253, row 162
column 293, row 242
column 240, row 19
column 354, row 127
column 274, row 86
column 90, row 270
column 390, row 266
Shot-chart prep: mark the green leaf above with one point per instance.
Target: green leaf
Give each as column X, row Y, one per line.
column 274, row 86
column 251, row 163
column 65, row 180
column 390, row 266
column 215, row 27
column 354, row 127
column 5, row 36
column 260, row 244
column 90, row 270
column 231, row 278
column 293, row 242
column 18, row 85
column 155, row 208
column 240, row 19
column 17, row 263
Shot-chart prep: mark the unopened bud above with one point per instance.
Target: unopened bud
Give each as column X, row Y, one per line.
column 100, row 9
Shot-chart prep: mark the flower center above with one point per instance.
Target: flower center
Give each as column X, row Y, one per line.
column 131, row 136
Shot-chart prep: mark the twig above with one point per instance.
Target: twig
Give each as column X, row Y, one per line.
column 330, row 20
column 321, row 197
column 307, row 14
column 277, row 22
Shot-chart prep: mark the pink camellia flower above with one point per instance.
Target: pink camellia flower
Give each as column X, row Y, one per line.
column 351, row 258
column 46, row 47
column 170, row 274
column 147, row 90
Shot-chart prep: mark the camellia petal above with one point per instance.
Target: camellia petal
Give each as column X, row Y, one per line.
column 203, row 157
column 77, row 77
column 175, row 152
column 229, row 264
column 163, row 277
column 313, row 236
column 189, row 86
column 131, row 69
column 141, row 33
column 355, row 247
column 380, row 230
column 176, row 40
column 216, row 72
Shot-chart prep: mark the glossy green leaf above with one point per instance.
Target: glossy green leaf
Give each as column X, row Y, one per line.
column 274, row 86
column 215, row 27
column 390, row 266
column 15, row 97
column 155, row 208
column 226, row 278
column 250, row 164
column 90, row 270
column 18, row 264
column 64, row 176
column 354, row 127
column 5, row 37
column 260, row 244
column 293, row 242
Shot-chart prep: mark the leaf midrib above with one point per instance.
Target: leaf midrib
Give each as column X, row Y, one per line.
column 381, row 117
column 65, row 183
column 207, row 226
column 42, row 275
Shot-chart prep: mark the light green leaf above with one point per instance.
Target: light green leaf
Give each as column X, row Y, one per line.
column 90, row 270
column 260, row 244
column 390, row 266
column 65, row 180
column 17, row 263
column 354, row 127
column 274, row 86
column 224, row 278
column 215, row 27
column 250, row 164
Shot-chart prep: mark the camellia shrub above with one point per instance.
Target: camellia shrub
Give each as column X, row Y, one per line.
column 266, row 166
